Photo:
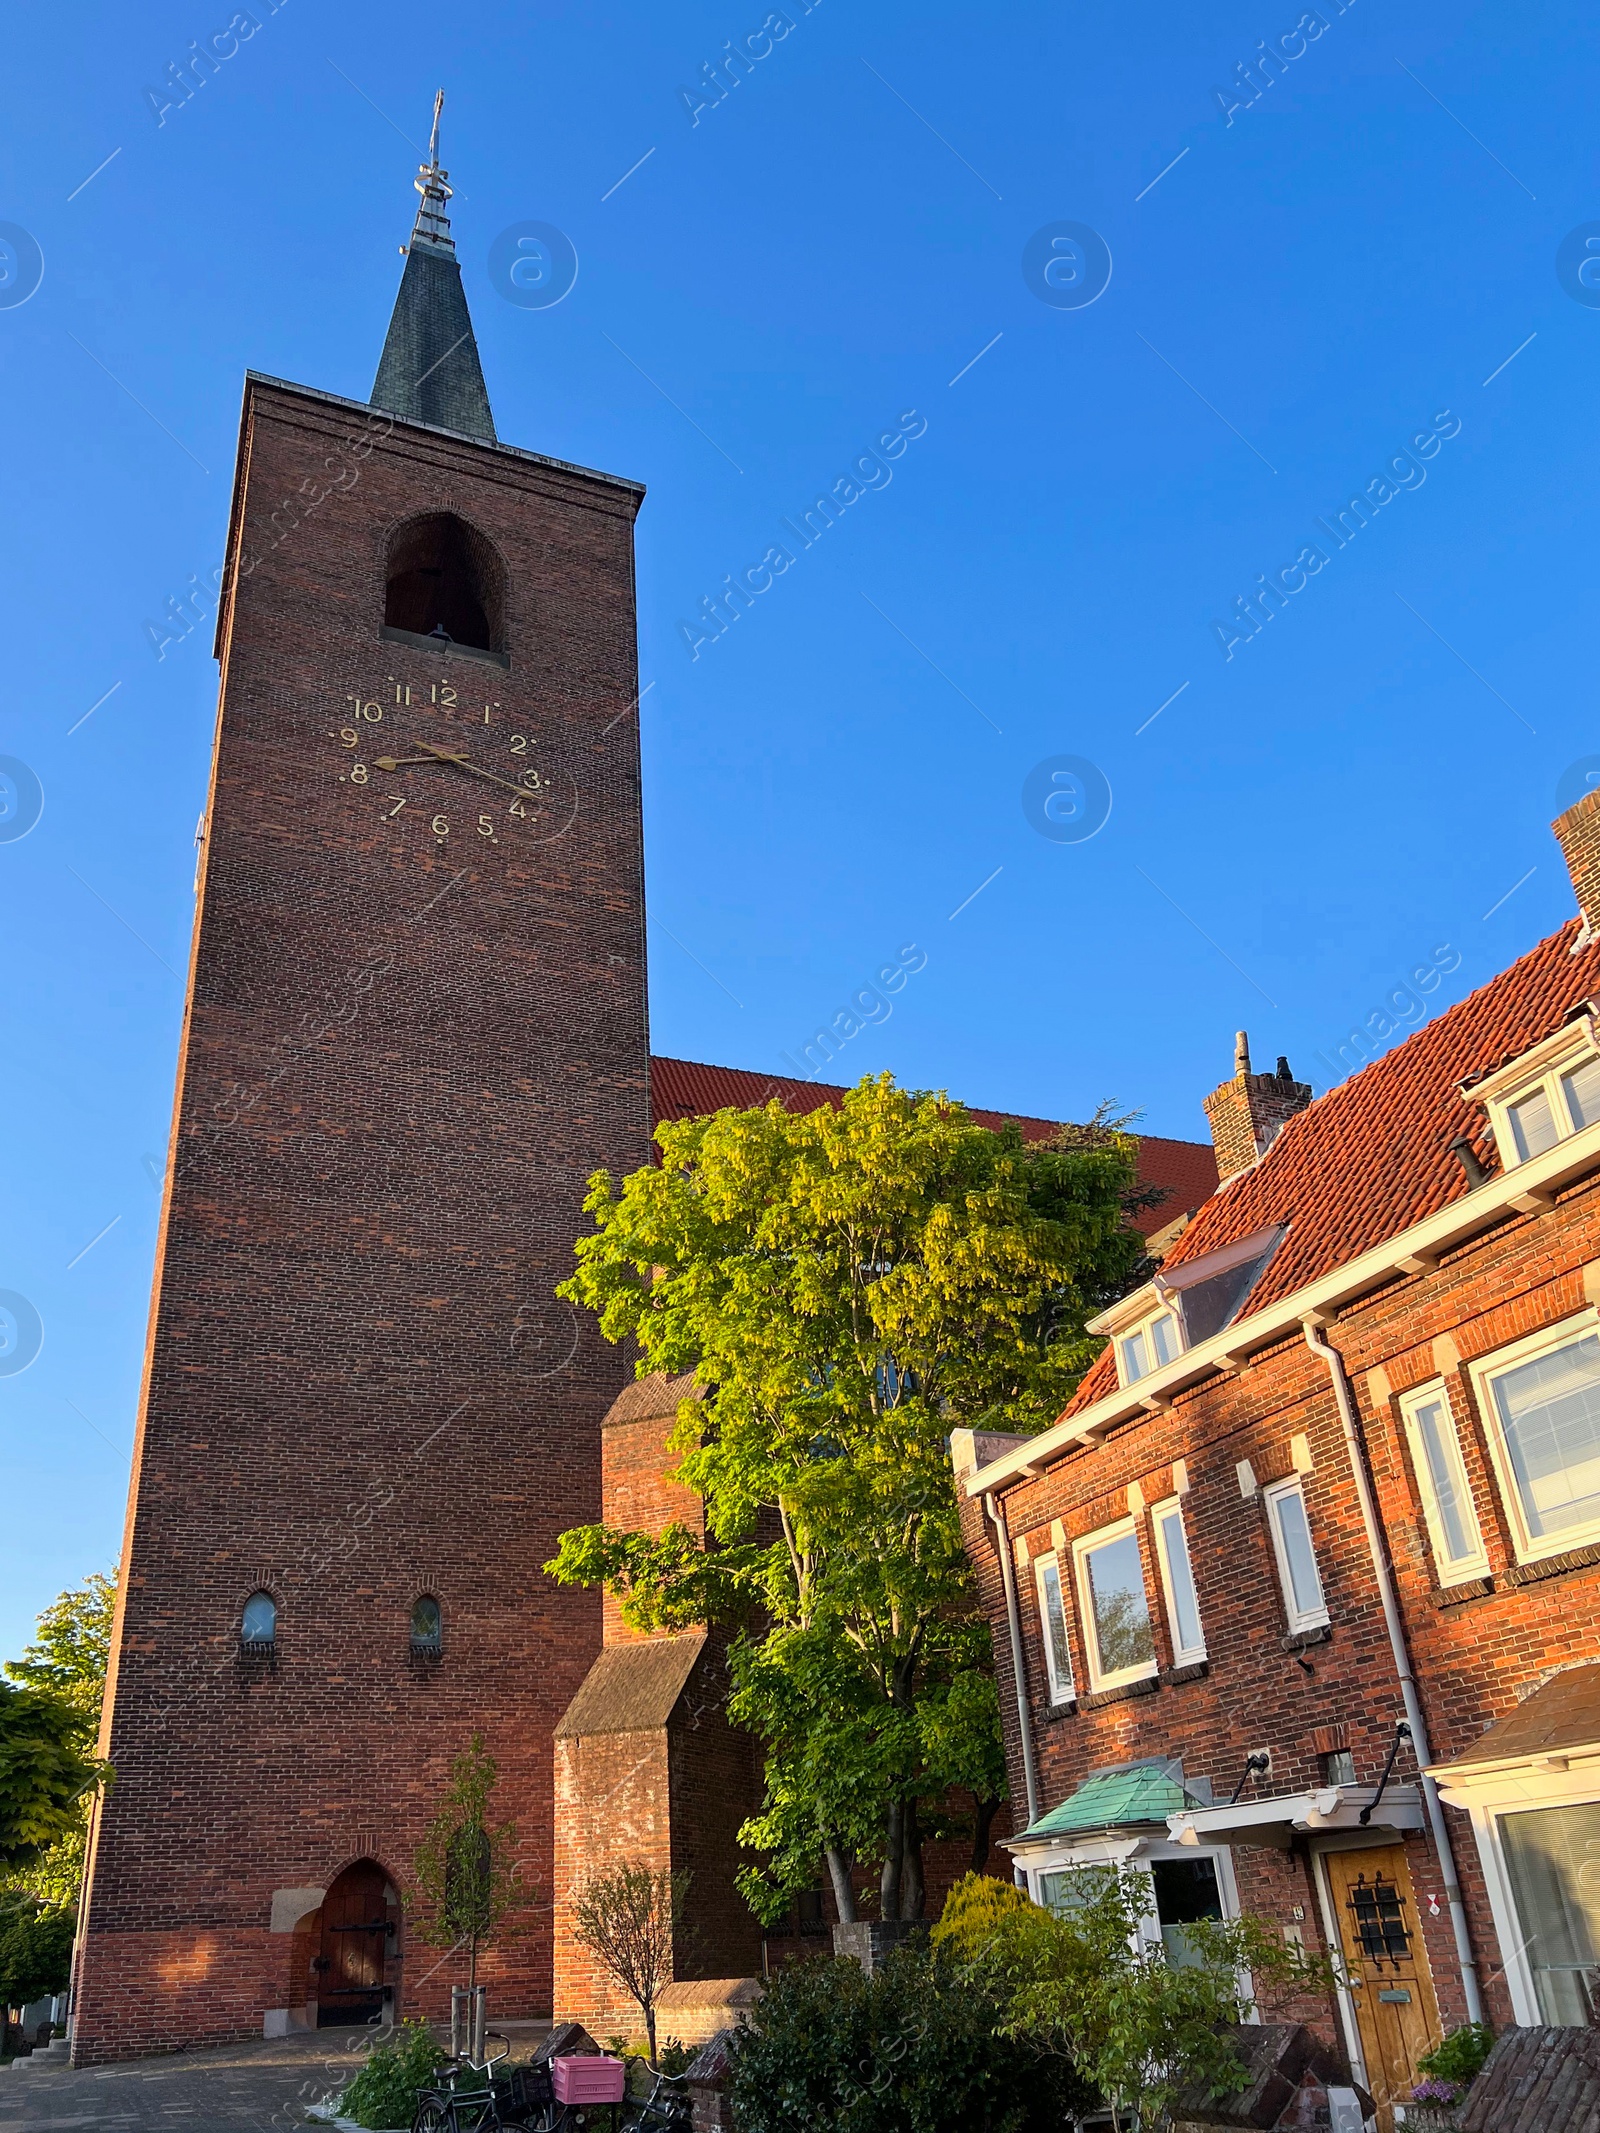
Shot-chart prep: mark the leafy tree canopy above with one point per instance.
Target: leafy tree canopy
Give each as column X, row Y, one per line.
column 48, row 1723
column 849, row 1286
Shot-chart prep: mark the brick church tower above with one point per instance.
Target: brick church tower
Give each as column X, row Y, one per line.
column 415, row 1024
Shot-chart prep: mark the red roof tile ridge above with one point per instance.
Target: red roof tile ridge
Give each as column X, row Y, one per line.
column 1372, row 1155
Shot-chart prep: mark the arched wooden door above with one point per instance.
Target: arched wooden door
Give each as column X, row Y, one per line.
column 359, row 1927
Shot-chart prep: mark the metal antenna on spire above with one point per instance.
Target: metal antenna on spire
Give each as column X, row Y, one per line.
column 433, row 138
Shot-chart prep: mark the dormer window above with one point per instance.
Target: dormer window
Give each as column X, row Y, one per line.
column 1546, row 1095
column 1185, row 1304
column 1156, row 1342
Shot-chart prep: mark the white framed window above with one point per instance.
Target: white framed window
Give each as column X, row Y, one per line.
column 1442, row 1477
column 1546, row 1096
column 1150, row 1345
column 1053, row 1628
column 1297, row 1560
column 1541, row 1405
column 1177, row 1583
column 1118, row 1638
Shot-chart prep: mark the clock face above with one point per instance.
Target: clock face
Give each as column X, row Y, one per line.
column 449, row 769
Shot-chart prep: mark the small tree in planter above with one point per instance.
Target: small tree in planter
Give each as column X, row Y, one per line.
column 466, row 1870
column 628, row 1919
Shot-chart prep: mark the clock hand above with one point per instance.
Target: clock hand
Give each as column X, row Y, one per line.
column 450, row 755
column 399, row 762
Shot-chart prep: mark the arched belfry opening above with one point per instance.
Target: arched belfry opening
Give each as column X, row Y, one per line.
column 443, row 580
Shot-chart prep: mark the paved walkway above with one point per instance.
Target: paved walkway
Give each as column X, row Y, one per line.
column 254, row 2087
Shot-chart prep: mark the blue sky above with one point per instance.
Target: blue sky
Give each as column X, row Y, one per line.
column 1299, row 286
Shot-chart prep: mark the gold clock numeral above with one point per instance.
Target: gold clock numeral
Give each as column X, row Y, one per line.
column 441, row 828
column 398, row 804
column 485, row 826
column 519, row 744
column 516, row 808
column 364, row 710
column 358, row 773
column 349, row 736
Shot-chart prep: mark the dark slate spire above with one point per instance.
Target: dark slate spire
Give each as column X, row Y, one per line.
column 429, row 371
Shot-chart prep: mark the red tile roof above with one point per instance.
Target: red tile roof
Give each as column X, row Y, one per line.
column 1186, row 1171
column 1373, row 1155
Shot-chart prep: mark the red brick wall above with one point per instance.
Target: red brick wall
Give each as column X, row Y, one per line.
column 1472, row 1656
column 402, row 1057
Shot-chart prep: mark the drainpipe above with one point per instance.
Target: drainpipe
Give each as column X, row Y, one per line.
column 1030, row 1776
column 1409, row 1696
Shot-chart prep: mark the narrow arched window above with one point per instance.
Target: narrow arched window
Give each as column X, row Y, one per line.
column 259, row 1623
column 443, row 581
column 427, row 1627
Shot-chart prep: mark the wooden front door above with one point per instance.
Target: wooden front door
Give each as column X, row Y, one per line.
column 1375, row 1916
column 355, row 1941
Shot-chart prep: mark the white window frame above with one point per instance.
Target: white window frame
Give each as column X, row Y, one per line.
column 1082, row 1549
column 1488, row 1796
column 1475, row 1563
column 1543, row 1067
column 1182, row 1655
column 1525, row 1546
column 1140, row 1330
column 1298, row 1617
column 1060, row 1691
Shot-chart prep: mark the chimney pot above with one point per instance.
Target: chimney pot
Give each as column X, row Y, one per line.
column 1247, row 1112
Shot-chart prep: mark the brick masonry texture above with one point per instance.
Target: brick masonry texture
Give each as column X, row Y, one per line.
column 1475, row 1656
column 402, row 1057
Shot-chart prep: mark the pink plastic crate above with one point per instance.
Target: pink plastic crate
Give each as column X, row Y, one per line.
column 589, row 2080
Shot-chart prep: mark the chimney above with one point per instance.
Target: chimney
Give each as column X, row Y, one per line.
column 1578, row 832
column 1247, row 1112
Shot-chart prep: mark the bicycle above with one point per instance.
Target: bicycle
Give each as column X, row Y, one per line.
column 525, row 2094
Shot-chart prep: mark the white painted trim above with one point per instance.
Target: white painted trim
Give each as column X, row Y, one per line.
column 1482, row 1372
column 1089, row 1629
column 1464, row 1218
column 1297, row 1617
column 1475, row 1564
column 1173, row 1508
column 1060, row 1692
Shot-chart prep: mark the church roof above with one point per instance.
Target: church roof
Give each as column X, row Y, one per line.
column 1184, row 1171
column 632, row 1688
column 429, row 371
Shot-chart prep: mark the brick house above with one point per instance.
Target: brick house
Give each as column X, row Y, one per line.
column 1296, row 1606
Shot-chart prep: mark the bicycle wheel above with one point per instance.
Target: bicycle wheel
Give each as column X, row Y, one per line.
column 433, row 2117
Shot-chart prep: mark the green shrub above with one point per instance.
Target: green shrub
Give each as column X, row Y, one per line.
column 971, row 1912
column 1458, row 2058
column 385, row 2091
column 913, row 2049
column 676, row 2058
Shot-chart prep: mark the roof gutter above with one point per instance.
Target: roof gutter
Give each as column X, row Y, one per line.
column 1528, row 1189
column 1355, row 1449
column 1008, row 1578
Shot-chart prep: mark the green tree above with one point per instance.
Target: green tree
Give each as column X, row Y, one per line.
column 628, row 1917
column 48, row 1724
column 35, row 1950
column 1090, row 1983
column 849, row 1285
column 466, row 1869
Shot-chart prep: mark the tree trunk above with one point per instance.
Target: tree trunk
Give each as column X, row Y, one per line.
column 913, row 1891
column 650, row 2029
column 844, row 1895
column 982, row 1823
column 893, row 1861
